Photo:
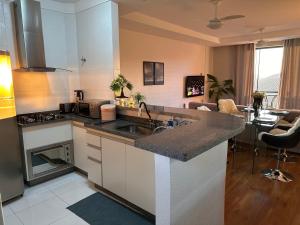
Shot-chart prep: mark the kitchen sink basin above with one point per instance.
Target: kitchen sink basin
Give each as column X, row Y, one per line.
column 136, row 129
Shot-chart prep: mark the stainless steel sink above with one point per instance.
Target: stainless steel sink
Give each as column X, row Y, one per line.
column 136, row 129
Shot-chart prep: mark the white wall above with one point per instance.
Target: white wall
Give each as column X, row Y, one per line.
column 180, row 59
column 44, row 91
column 2, row 27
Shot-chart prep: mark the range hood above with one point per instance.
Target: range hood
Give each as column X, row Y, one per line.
column 30, row 41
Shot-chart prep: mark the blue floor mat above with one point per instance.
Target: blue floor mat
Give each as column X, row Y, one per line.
column 98, row 209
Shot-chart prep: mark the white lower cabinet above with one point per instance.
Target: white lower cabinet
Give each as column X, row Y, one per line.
column 122, row 169
column 140, row 178
column 94, row 171
column 114, row 166
column 80, row 153
column 94, row 163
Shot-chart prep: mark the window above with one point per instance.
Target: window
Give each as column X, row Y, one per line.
column 268, row 62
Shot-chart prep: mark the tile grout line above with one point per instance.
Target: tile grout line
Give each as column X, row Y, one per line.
column 59, row 198
column 19, row 219
column 47, row 188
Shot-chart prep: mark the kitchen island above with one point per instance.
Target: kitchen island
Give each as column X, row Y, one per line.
column 190, row 163
column 177, row 174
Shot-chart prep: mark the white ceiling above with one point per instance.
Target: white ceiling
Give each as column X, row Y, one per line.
column 280, row 18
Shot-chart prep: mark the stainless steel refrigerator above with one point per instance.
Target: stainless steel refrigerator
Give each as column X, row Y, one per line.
column 11, row 174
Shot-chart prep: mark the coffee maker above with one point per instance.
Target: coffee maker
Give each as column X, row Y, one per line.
column 78, row 95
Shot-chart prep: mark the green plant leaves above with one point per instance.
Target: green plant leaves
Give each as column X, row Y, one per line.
column 212, row 78
column 217, row 89
column 119, row 83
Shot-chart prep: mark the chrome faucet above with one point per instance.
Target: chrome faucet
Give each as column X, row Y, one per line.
column 147, row 111
column 140, row 110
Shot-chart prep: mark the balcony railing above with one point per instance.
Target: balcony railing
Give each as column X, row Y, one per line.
column 271, row 100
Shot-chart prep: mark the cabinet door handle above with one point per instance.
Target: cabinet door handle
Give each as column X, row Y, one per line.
column 94, row 146
column 94, row 160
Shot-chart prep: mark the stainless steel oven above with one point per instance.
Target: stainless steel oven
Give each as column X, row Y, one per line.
column 49, row 160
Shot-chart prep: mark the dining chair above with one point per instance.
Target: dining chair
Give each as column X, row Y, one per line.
column 280, row 140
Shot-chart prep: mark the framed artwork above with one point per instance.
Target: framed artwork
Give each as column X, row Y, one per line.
column 153, row 73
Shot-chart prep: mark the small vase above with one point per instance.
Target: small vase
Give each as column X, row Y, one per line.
column 257, row 104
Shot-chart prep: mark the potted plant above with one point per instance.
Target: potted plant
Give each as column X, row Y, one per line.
column 118, row 85
column 138, row 97
column 217, row 89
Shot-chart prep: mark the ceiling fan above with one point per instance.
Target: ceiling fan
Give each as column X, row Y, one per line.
column 217, row 22
column 261, row 41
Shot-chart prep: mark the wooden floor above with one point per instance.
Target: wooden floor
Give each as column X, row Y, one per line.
column 256, row 200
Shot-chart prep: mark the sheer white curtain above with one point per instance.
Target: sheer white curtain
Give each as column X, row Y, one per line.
column 289, row 92
column 244, row 76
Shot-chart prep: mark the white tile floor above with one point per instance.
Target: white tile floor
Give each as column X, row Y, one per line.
column 46, row 203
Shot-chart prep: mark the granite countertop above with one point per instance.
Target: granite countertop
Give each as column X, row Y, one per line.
column 186, row 142
column 66, row 117
column 183, row 143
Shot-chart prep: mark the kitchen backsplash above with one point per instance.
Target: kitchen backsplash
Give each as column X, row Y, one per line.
column 43, row 91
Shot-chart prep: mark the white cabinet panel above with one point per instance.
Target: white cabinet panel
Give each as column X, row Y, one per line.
column 80, row 152
column 113, row 166
column 93, row 140
column 46, row 134
column 94, row 171
column 140, row 178
column 98, row 39
column 94, row 152
column 54, row 32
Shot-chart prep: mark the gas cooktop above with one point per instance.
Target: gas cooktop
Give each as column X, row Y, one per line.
column 38, row 117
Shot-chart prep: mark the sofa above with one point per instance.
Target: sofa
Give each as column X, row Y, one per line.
column 211, row 106
column 249, row 130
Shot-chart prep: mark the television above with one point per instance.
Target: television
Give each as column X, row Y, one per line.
column 194, row 86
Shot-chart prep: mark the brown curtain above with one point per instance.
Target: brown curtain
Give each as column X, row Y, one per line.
column 244, row 76
column 289, row 92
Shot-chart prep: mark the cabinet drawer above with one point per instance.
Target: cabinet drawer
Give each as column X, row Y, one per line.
column 94, row 152
column 94, row 171
column 93, row 140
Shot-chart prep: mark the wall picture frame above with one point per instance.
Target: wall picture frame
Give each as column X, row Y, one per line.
column 153, row 73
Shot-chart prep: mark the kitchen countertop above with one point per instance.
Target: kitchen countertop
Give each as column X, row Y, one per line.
column 183, row 142
column 186, row 142
column 66, row 117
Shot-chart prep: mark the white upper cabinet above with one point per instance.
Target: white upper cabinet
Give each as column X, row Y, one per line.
column 60, row 39
column 98, row 44
column 95, row 37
